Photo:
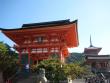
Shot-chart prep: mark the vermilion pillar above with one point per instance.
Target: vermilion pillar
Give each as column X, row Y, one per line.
column 20, row 56
column 29, row 54
column 61, row 57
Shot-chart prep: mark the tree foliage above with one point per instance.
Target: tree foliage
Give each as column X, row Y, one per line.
column 56, row 71
column 6, row 56
column 3, row 49
column 73, row 70
column 7, row 60
column 78, row 58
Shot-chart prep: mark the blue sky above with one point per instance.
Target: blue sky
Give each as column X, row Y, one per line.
column 93, row 18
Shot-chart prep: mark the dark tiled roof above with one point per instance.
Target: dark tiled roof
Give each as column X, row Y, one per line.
column 43, row 24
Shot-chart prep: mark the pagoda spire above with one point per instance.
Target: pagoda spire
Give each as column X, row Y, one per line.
column 91, row 42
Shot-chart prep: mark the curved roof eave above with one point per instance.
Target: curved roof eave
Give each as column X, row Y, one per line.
column 66, row 22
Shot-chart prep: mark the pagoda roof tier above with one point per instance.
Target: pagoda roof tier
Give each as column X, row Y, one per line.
column 95, row 58
column 65, row 29
column 93, row 50
column 100, row 57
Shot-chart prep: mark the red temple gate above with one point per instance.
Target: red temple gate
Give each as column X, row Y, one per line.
column 41, row 40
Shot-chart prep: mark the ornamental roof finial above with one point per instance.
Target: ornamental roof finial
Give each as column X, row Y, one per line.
column 91, row 42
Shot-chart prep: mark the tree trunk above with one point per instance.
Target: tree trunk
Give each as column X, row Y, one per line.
column 1, row 77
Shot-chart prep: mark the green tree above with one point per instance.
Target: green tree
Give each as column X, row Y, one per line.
column 73, row 70
column 56, row 71
column 7, row 61
column 76, row 58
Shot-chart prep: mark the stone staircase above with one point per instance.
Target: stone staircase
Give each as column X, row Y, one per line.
column 78, row 81
column 30, row 79
column 23, row 77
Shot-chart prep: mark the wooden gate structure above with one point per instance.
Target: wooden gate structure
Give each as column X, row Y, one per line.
column 41, row 40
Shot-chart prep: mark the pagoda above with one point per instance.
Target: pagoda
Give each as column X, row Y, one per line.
column 91, row 50
column 100, row 64
column 41, row 40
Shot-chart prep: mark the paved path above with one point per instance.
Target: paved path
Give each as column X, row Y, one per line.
column 79, row 81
